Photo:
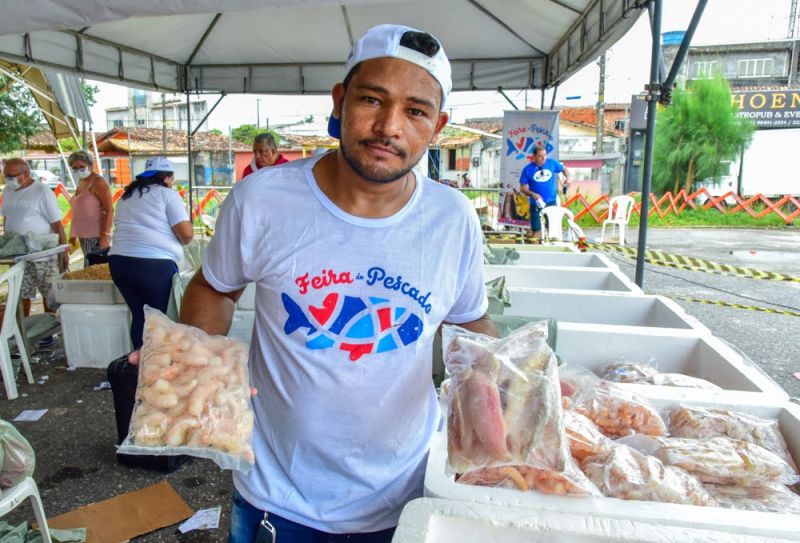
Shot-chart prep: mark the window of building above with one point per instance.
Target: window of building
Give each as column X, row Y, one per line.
column 756, row 67
column 451, row 159
column 116, row 123
column 140, row 122
column 705, row 68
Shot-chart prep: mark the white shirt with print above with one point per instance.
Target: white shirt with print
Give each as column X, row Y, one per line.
column 32, row 209
column 346, row 311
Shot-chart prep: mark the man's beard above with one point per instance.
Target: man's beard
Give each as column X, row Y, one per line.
column 375, row 175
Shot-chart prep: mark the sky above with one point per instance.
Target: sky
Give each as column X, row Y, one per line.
column 627, row 70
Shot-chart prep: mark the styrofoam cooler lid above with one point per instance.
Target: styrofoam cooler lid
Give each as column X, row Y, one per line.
column 429, row 520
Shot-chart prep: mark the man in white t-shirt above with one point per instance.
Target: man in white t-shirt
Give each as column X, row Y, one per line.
column 357, row 261
column 30, row 206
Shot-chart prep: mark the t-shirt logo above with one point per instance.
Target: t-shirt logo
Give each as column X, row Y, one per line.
column 352, row 324
column 543, row 176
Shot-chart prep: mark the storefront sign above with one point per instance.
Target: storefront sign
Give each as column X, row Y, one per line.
column 769, row 108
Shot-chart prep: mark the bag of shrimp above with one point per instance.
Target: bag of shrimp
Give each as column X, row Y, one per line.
column 616, row 410
column 704, row 423
column 774, row 498
column 193, row 396
column 504, row 407
column 625, row 473
column 718, row 460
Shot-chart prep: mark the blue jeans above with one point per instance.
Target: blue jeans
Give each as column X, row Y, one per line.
column 536, row 218
column 245, row 519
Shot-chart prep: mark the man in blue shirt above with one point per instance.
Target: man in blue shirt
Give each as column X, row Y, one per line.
column 539, row 181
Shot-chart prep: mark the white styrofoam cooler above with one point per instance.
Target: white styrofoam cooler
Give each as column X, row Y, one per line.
column 705, row 356
column 431, row 520
column 94, row 334
column 562, row 278
column 86, row 292
column 602, row 308
column 546, row 248
column 731, row 521
column 579, row 260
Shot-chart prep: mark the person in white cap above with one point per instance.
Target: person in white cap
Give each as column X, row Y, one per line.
column 357, row 260
column 151, row 225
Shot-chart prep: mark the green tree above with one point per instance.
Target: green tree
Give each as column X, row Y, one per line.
column 248, row 132
column 19, row 116
column 696, row 135
column 90, row 93
column 216, row 131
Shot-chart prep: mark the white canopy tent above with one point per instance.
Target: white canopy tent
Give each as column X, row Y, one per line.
column 299, row 46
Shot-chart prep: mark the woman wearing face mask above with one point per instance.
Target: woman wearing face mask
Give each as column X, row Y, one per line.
column 92, row 209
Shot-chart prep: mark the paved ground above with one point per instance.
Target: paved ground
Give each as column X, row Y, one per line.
column 74, row 441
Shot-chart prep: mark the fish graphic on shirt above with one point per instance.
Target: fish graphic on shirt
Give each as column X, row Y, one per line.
column 352, row 324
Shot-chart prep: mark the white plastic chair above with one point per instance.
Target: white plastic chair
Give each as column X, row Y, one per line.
column 10, row 329
column 15, row 495
column 620, row 209
column 553, row 222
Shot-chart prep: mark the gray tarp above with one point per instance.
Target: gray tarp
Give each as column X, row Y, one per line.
column 298, row 46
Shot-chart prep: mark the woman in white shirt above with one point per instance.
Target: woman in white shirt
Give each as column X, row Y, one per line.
column 150, row 227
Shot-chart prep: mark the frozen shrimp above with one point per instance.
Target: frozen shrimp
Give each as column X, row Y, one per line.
column 177, row 433
column 199, row 397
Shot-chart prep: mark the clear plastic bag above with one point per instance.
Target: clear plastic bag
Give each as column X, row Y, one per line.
column 504, row 401
column 628, row 372
column 193, row 396
column 647, row 374
column 614, row 409
column 625, row 473
column 718, row 460
column 40, row 242
column 705, row 423
column 17, row 460
column 766, row 499
column 571, row 482
column 585, row 438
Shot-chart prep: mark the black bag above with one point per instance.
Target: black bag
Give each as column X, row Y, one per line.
column 123, row 378
column 98, row 258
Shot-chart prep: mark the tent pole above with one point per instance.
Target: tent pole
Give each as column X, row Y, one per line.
column 230, row 155
column 652, row 98
column 64, row 158
column 504, row 95
column 96, row 154
column 553, row 101
column 189, row 148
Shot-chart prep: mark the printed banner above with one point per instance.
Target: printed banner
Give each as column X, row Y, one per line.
column 769, row 108
column 523, row 131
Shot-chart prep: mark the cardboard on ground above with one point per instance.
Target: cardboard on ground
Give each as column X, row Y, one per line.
column 128, row 515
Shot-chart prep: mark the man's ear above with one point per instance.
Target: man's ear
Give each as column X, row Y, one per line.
column 441, row 122
column 337, row 93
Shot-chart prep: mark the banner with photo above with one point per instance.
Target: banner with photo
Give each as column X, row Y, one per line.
column 523, row 131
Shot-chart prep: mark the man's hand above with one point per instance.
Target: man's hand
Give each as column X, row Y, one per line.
column 65, row 260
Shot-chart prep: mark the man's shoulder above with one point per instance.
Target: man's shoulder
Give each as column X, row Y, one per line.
column 443, row 195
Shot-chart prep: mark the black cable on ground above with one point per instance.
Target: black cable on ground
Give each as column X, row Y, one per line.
column 651, row 269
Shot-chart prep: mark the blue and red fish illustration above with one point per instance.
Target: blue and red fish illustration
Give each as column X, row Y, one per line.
column 353, row 325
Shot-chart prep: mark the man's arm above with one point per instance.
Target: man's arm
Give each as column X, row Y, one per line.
column 206, row 308
column 567, row 177
column 482, row 325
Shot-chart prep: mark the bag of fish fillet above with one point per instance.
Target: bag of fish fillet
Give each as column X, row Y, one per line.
column 193, row 396
column 504, row 424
